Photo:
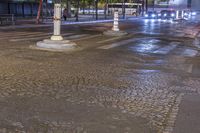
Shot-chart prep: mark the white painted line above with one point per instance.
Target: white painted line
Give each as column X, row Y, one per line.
column 3, row 35
column 118, row 44
column 35, row 38
column 108, row 40
column 29, row 36
column 190, row 52
column 190, row 68
column 124, row 42
column 167, row 49
column 76, row 36
column 88, row 37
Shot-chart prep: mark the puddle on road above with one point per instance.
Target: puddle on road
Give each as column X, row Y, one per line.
column 144, row 71
column 146, row 45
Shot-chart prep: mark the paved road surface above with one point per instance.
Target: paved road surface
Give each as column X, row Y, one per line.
column 131, row 84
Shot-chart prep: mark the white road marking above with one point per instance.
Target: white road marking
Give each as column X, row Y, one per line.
column 15, row 34
column 34, row 38
column 108, row 40
column 124, row 42
column 29, row 36
column 88, row 37
column 76, row 36
column 117, row 44
column 190, row 52
column 166, row 49
column 190, row 68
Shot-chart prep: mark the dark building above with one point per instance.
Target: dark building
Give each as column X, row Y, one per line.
column 21, row 8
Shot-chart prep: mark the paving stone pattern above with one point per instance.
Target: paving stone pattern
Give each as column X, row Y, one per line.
column 88, row 91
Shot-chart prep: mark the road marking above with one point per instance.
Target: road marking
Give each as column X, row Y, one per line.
column 88, row 37
column 190, row 52
column 108, row 40
column 3, row 35
column 30, row 36
column 190, row 68
column 166, row 49
column 76, row 36
column 118, row 44
column 35, row 38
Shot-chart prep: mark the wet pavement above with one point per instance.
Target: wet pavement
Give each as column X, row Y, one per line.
column 130, row 84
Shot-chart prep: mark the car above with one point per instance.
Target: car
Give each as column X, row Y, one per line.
column 151, row 15
column 167, row 14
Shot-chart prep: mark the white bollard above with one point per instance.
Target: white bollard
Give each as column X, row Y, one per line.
column 57, row 22
column 116, row 21
column 177, row 14
column 56, row 43
column 182, row 14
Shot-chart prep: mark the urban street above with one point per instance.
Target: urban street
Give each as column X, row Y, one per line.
column 144, row 82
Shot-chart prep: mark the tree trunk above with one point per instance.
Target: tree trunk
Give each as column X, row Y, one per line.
column 83, row 6
column 69, row 8
column 77, row 11
column 39, row 11
column 146, row 6
column 123, row 9
column 106, row 9
column 96, row 2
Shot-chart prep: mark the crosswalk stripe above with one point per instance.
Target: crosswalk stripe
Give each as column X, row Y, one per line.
column 3, row 35
column 189, row 53
column 124, row 42
column 166, row 49
column 35, row 38
column 29, row 36
column 108, row 40
column 88, row 37
column 118, row 44
column 76, row 36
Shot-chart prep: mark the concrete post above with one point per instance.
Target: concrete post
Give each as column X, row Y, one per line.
column 177, row 14
column 182, row 14
column 116, row 21
column 57, row 22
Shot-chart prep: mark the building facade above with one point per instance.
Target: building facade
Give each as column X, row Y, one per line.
column 195, row 5
column 21, row 8
column 178, row 4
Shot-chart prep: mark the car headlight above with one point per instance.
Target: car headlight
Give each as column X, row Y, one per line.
column 146, row 15
column 172, row 15
column 165, row 14
column 153, row 15
column 185, row 14
column 194, row 13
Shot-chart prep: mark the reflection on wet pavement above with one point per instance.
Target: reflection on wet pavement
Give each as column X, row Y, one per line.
column 146, row 45
column 133, row 85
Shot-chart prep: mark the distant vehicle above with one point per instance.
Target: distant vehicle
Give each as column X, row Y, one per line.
column 130, row 8
column 151, row 15
column 167, row 14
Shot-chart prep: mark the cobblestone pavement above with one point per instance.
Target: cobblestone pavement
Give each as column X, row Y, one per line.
column 133, row 88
